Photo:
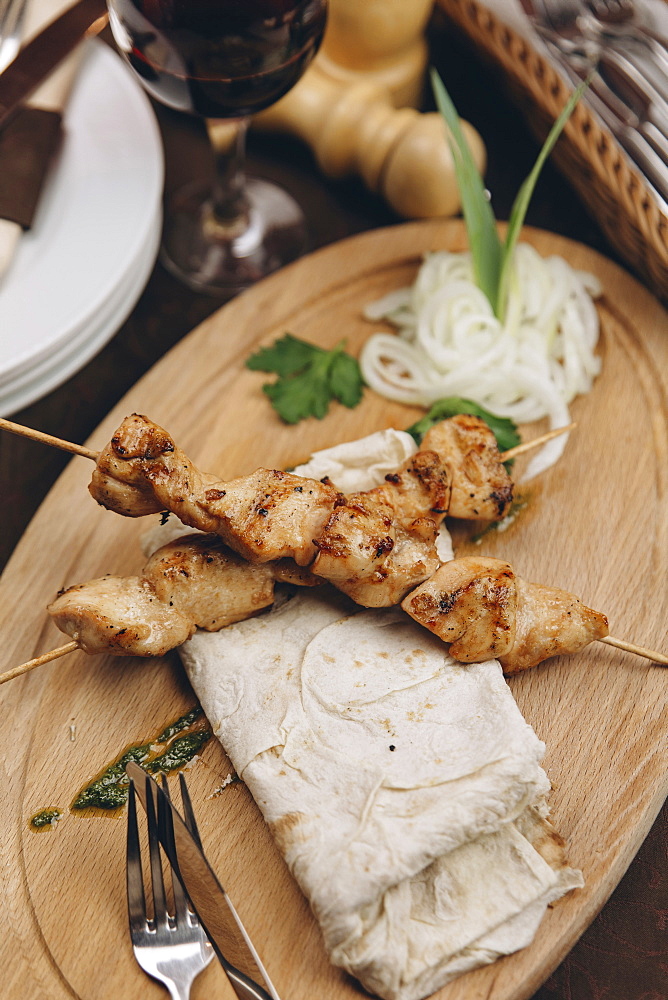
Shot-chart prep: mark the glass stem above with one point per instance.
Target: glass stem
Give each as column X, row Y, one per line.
column 230, row 204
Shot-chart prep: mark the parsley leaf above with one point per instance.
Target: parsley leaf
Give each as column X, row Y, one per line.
column 505, row 430
column 285, row 356
column 345, row 379
column 309, row 377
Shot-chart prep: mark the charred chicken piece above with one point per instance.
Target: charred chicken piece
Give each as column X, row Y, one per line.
column 208, row 583
column 265, row 516
column 481, row 487
column 141, row 471
column 470, row 603
column 270, row 514
column 412, row 559
column 420, row 488
column 379, row 544
column 485, row 612
column 550, row 622
column 194, row 581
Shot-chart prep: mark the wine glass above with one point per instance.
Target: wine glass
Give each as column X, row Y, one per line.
column 223, row 59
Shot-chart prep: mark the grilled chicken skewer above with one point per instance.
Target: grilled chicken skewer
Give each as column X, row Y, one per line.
column 374, row 546
column 141, row 471
column 464, row 442
column 477, row 605
column 80, row 449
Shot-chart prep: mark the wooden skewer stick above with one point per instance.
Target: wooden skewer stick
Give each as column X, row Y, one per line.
column 29, row 432
column 79, row 449
column 638, row 650
column 648, row 654
column 38, row 661
column 519, row 449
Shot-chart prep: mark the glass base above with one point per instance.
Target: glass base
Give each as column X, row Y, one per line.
column 220, row 259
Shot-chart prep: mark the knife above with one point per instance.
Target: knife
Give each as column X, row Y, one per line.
column 46, row 50
column 212, row 904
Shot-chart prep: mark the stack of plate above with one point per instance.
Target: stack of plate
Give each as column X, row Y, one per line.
column 83, row 265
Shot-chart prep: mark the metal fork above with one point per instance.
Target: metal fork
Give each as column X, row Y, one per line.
column 619, row 84
column 171, row 948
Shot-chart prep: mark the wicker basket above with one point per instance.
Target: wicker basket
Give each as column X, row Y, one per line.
column 614, row 192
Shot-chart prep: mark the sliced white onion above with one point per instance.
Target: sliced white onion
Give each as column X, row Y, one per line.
column 450, row 343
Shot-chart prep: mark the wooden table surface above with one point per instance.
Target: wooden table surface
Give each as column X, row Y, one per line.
column 624, row 954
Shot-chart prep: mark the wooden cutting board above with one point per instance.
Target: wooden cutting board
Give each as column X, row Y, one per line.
column 595, row 525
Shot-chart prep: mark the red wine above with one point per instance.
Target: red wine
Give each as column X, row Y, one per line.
column 218, row 58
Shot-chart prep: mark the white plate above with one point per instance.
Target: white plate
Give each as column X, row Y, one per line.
column 49, row 372
column 96, row 216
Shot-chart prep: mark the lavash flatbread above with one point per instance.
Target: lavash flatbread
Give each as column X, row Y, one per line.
column 412, row 858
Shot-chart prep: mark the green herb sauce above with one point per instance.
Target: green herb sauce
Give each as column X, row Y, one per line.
column 185, row 722
column 45, row 819
column 179, row 753
column 108, row 790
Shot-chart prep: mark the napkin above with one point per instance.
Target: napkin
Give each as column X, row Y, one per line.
column 29, row 141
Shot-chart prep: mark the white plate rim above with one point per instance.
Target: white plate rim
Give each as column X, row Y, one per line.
column 82, row 350
column 102, row 62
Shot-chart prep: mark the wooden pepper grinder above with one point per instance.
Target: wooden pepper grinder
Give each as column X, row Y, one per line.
column 352, row 107
column 380, row 41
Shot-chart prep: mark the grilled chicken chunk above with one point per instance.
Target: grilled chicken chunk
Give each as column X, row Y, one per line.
column 357, row 538
column 486, row 612
column 192, row 582
column 413, row 558
column 421, row 487
column 271, row 514
column 549, row 622
column 119, row 615
column 141, row 471
column 481, row 487
column 379, row 544
column 208, row 583
column 470, row 603
column 265, row 516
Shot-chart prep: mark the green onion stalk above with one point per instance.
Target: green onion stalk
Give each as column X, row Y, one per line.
column 492, row 257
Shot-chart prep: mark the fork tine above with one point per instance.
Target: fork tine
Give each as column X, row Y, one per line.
column 160, row 914
column 181, row 908
column 135, row 882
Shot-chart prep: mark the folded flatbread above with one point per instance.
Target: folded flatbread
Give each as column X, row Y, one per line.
column 403, row 788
